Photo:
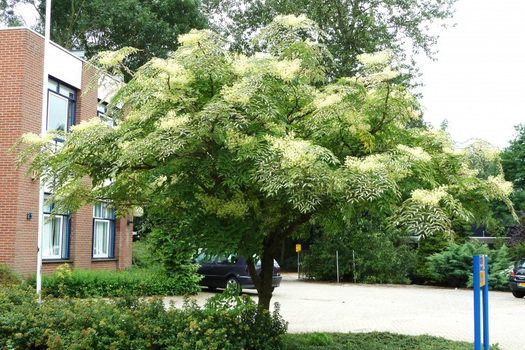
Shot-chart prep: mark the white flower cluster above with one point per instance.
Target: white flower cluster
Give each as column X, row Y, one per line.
column 172, row 121
column 87, row 125
column 498, row 187
column 375, row 59
column 323, row 100
column 431, row 197
column 286, row 69
column 371, row 163
column 291, row 20
column 416, row 152
column 239, row 93
column 112, row 58
column 176, row 72
column 295, row 153
column 34, row 139
column 193, row 37
column 236, row 139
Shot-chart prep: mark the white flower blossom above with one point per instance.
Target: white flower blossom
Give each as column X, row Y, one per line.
column 429, row 197
column 498, row 187
column 369, row 164
column 172, row 121
column 291, row 20
column 416, row 152
column 286, row 69
column 323, row 101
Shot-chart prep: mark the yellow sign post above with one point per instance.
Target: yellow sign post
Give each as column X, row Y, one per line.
column 298, row 251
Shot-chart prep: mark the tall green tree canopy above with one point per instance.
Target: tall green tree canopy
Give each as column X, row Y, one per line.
column 239, row 152
column 100, row 25
column 353, row 27
column 513, row 161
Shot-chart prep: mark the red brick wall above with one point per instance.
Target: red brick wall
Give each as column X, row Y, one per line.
column 20, row 112
column 21, row 70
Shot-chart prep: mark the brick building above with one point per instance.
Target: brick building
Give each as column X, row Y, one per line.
column 92, row 238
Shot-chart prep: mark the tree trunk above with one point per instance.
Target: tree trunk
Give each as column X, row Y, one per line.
column 266, row 291
column 263, row 280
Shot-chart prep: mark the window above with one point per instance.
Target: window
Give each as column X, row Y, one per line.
column 61, row 104
column 102, row 110
column 103, row 231
column 55, row 235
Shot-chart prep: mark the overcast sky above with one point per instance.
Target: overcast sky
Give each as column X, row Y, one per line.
column 478, row 82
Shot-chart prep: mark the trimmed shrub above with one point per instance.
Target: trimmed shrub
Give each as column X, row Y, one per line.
column 225, row 322
column 100, row 283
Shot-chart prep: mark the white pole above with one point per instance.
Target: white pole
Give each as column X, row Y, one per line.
column 45, row 79
column 337, row 263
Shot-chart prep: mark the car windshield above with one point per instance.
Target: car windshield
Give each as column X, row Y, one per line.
column 520, row 264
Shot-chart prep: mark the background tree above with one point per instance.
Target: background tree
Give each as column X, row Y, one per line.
column 8, row 16
column 354, row 27
column 99, row 25
column 240, row 152
column 513, row 161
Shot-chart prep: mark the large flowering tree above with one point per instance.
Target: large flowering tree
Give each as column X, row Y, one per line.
column 240, row 152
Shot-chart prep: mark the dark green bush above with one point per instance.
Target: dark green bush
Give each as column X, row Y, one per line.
column 101, row 283
column 226, row 322
column 377, row 258
column 453, row 266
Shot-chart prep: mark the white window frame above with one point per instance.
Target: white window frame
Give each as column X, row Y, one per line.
column 49, row 251
column 103, row 242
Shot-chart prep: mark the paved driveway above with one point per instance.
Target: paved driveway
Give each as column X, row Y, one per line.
column 413, row 310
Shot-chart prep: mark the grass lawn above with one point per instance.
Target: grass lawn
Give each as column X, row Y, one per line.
column 371, row 341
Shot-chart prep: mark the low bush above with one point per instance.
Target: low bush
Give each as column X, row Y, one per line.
column 100, row 283
column 453, row 266
column 7, row 276
column 225, row 322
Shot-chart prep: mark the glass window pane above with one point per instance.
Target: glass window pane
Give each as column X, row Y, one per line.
column 101, row 239
column 57, row 112
column 52, row 85
column 52, row 237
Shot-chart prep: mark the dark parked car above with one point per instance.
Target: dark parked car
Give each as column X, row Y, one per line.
column 517, row 279
column 219, row 271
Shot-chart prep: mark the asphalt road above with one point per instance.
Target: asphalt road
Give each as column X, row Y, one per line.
column 413, row 310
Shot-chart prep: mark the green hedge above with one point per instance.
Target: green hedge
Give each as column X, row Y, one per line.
column 225, row 322
column 100, row 283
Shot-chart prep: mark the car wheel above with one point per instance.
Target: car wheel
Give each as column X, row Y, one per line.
column 234, row 284
column 518, row 294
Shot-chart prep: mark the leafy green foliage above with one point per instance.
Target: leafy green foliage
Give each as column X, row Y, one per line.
column 94, row 26
column 377, row 257
column 225, row 322
column 372, row 341
column 353, row 27
column 453, row 266
column 8, row 15
column 7, row 276
column 238, row 152
column 135, row 282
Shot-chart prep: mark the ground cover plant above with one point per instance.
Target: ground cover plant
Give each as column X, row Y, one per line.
column 372, row 341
